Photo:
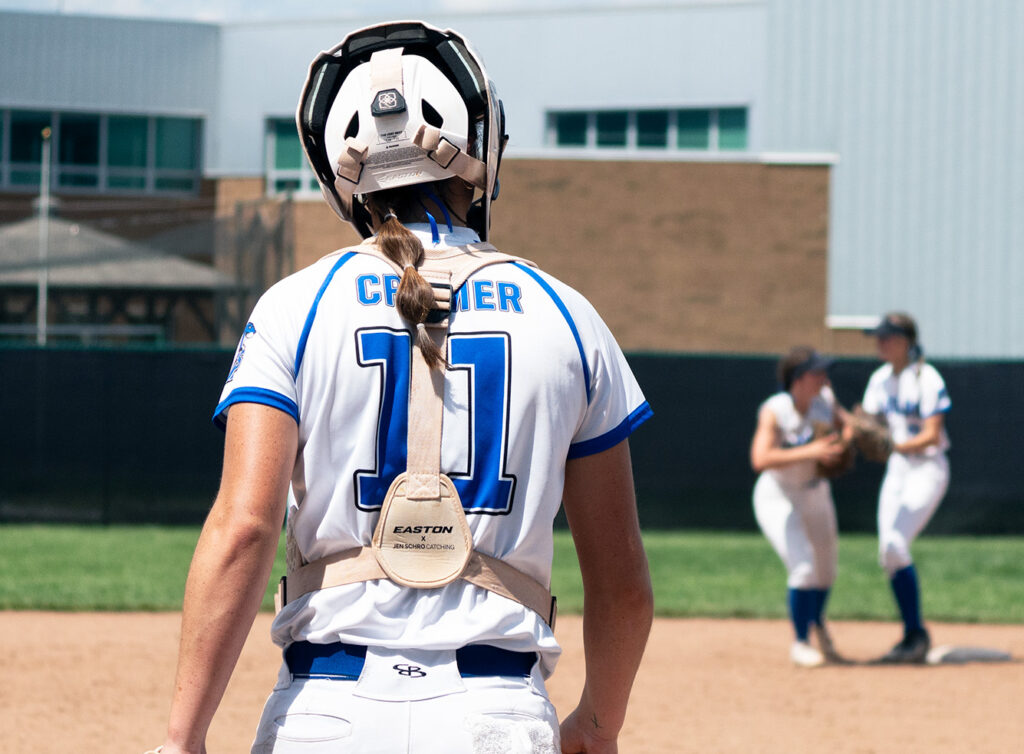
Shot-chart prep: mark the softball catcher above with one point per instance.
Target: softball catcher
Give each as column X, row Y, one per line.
column 793, row 498
column 421, row 404
column 910, row 396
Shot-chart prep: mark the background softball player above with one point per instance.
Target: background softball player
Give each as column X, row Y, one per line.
column 401, row 124
column 911, row 396
column 792, row 502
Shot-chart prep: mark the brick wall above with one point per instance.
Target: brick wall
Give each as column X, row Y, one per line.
column 677, row 257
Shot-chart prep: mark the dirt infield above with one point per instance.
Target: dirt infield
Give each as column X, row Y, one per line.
column 101, row 682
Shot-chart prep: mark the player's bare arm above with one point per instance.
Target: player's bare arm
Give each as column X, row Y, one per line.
column 231, row 566
column 766, row 451
column 930, row 434
column 618, row 606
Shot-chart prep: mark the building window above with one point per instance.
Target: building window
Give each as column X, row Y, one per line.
column 732, row 128
column 94, row 152
column 127, row 139
column 691, row 129
column 288, row 172
column 570, row 129
column 176, row 153
column 78, row 151
column 652, row 129
column 611, row 128
column 26, row 148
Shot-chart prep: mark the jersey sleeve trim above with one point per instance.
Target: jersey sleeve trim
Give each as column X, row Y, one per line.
column 301, row 350
column 613, row 437
column 254, row 395
column 944, row 404
column 568, row 319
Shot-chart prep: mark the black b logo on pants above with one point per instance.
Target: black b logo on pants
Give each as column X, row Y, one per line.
column 410, row 671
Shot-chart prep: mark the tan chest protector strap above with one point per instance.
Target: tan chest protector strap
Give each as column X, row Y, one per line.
column 360, row 564
column 422, row 538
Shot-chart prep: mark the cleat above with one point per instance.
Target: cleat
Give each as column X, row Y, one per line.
column 805, row 656
column 912, row 649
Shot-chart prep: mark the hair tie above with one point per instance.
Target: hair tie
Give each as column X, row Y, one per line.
column 420, row 327
column 390, row 215
column 408, row 267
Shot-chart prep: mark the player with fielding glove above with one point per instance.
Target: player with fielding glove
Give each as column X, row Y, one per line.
column 910, row 396
column 793, row 498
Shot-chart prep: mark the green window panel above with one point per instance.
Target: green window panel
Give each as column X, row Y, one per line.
column 286, row 185
column 27, row 136
column 175, row 184
column 732, row 128
column 693, row 129
column 611, row 128
column 176, row 143
column 652, row 128
column 571, row 129
column 26, row 177
column 79, row 180
column 287, row 148
column 126, row 182
column 126, row 141
column 79, row 141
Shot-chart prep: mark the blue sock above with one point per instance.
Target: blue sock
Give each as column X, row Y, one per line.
column 820, row 599
column 905, row 589
column 802, row 604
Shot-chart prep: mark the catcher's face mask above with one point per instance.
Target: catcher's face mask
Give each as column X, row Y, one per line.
column 399, row 104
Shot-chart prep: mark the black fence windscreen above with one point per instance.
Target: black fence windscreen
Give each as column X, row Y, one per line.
column 125, row 436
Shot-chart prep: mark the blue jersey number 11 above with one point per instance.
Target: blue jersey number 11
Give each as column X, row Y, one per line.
column 483, row 485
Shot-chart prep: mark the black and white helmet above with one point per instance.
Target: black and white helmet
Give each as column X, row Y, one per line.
column 398, row 104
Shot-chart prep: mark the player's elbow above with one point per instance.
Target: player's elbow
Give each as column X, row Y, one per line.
column 628, row 589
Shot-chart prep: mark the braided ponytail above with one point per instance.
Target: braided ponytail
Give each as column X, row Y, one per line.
column 415, row 297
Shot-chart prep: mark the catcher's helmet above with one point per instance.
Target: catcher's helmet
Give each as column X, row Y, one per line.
column 398, row 104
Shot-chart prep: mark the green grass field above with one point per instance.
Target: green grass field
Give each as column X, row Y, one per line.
column 694, row 573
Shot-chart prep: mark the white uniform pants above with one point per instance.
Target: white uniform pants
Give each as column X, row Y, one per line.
column 801, row 525
column 378, row 715
column 911, row 492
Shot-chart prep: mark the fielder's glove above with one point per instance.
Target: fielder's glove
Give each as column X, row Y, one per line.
column 871, row 436
column 841, row 464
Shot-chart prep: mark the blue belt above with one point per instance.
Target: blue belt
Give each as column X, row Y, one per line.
column 340, row 660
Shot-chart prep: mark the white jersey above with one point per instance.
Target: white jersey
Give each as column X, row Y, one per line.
column 795, row 429
column 535, row 378
column 907, row 399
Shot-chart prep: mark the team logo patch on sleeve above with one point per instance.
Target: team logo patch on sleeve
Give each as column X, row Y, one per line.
column 250, row 330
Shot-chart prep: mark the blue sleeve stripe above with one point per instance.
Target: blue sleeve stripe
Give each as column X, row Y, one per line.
column 613, row 437
column 312, row 310
column 568, row 318
column 254, row 395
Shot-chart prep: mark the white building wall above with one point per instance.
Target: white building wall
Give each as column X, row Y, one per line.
column 60, row 62
column 701, row 54
column 923, row 101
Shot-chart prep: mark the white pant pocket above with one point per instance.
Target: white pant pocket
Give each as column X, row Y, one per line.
column 306, row 733
column 511, row 733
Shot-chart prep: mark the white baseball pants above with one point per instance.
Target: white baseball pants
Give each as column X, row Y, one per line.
column 801, row 525
column 394, row 708
column 911, row 492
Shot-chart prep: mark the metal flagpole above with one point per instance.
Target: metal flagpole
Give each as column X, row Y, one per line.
column 44, row 239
